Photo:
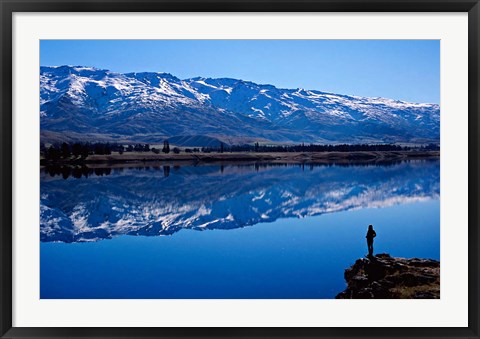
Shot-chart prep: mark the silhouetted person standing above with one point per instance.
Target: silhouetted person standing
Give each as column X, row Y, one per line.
column 370, row 235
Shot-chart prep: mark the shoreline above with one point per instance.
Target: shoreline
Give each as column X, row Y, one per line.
column 364, row 157
column 385, row 277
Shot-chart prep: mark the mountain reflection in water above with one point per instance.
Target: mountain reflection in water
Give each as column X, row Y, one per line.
column 87, row 204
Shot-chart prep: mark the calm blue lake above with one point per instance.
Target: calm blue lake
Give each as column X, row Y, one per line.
column 228, row 231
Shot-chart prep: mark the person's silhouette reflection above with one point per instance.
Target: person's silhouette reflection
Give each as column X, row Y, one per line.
column 370, row 235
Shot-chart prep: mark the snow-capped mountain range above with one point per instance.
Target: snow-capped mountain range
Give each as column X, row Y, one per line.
column 87, row 103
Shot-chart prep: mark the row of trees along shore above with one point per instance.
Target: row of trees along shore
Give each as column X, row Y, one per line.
column 67, row 150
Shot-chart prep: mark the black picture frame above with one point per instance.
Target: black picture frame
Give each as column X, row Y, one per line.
column 8, row 7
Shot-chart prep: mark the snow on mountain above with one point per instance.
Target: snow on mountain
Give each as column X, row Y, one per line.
column 151, row 106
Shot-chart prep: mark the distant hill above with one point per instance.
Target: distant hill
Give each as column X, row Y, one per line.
column 86, row 103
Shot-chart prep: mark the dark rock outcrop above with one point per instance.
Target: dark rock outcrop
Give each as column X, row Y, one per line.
column 385, row 277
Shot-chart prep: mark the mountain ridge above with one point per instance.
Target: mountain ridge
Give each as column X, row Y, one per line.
column 151, row 106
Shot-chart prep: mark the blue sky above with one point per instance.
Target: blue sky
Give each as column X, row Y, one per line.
column 399, row 69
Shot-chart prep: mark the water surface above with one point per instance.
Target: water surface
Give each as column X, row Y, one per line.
column 229, row 231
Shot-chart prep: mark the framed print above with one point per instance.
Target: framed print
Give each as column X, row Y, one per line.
column 239, row 169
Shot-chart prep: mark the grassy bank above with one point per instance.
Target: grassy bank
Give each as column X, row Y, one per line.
column 288, row 157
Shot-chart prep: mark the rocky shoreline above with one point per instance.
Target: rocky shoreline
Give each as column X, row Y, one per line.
column 385, row 277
